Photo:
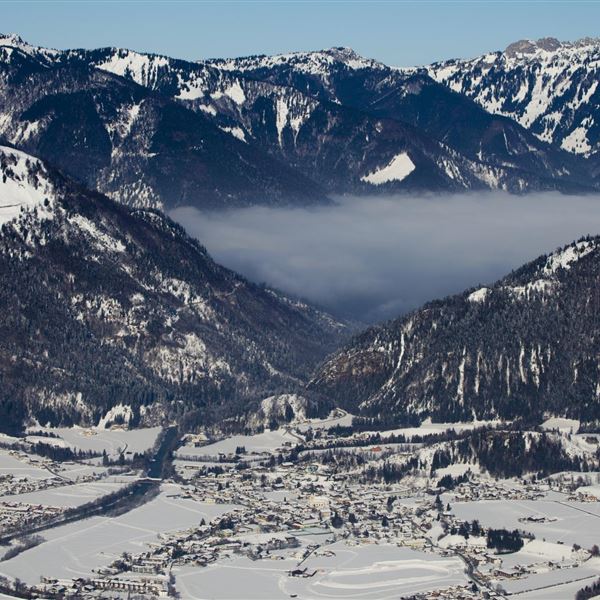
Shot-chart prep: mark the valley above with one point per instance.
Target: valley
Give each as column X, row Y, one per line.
column 302, row 511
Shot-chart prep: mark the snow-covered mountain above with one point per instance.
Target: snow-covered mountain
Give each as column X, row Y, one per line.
column 133, row 143
column 111, row 305
column 411, row 96
column 306, row 130
column 526, row 346
column 549, row 87
column 105, row 305
column 316, row 73
column 265, row 129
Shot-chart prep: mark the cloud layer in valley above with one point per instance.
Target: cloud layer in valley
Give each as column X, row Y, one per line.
column 373, row 258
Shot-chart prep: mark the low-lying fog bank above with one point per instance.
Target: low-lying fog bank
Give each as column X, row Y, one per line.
column 373, row 258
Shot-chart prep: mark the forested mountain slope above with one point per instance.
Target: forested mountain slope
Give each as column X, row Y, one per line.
column 105, row 305
column 527, row 346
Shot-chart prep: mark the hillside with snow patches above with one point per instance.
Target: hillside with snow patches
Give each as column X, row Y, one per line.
column 525, row 346
column 24, row 185
column 549, row 87
column 108, row 306
column 233, row 132
column 131, row 142
column 500, row 150
column 304, row 128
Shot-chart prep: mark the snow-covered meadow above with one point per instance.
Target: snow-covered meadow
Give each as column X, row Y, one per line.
column 254, row 444
column 566, row 523
column 342, row 571
column 98, row 439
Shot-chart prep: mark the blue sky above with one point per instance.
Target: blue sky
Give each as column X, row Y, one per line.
column 396, row 32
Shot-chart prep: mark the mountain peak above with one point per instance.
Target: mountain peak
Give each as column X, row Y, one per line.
column 546, row 44
column 346, row 55
column 341, row 52
column 309, row 61
column 12, row 40
column 8, row 39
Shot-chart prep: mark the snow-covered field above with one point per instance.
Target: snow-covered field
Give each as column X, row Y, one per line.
column 537, row 551
column 344, row 420
column 10, row 465
column 236, row 579
column 77, row 549
column 427, row 428
column 376, row 572
column 261, row 442
column 540, row 581
column 98, row 439
column 575, row 522
column 268, row 441
column 566, row 591
column 75, row 470
column 563, row 425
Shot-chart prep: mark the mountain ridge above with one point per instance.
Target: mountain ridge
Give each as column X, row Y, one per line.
column 548, row 86
column 292, row 114
column 134, row 144
column 523, row 347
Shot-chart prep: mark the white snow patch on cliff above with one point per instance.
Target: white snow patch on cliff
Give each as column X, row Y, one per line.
column 236, row 93
column 101, row 240
column 566, row 257
column 398, row 169
column 577, row 141
column 23, row 183
column 236, row 132
column 119, row 413
column 479, row 295
column 141, row 68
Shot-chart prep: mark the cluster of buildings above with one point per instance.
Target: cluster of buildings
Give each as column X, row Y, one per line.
column 16, row 516
column 282, row 502
column 13, row 484
column 105, row 587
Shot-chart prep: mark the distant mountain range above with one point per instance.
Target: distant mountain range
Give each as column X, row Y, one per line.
column 501, row 154
column 105, row 305
column 293, row 129
column 525, row 347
